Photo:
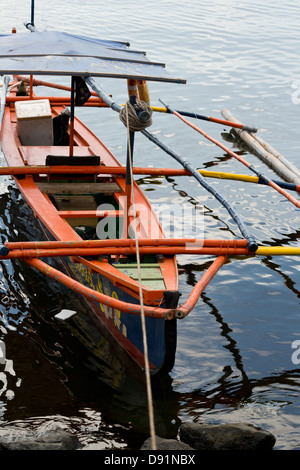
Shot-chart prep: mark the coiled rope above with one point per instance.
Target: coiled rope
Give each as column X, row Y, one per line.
column 138, row 116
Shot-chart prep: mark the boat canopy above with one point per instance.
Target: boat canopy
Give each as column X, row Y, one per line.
column 58, row 53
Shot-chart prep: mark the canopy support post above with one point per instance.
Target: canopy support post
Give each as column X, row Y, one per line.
column 128, row 184
column 72, row 117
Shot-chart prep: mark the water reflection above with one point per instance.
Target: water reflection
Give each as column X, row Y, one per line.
column 55, row 341
column 8, row 379
column 62, row 366
column 33, row 312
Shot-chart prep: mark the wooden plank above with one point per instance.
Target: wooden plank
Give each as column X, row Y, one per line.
column 78, row 188
column 46, row 212
column 75, row 203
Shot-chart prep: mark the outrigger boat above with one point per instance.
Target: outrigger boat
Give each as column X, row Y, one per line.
column 73, row 183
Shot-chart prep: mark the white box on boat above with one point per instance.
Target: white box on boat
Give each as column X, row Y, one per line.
column 34, row 122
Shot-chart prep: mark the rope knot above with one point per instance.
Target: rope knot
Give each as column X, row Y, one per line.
column 139, row 115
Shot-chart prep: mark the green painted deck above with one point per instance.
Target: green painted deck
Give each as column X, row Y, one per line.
column 151, row 274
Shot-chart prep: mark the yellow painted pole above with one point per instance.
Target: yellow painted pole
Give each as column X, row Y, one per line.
column 278, row 251
column 229, row 176
column 159, row 109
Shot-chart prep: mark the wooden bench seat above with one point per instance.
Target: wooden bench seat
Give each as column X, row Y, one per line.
column 79, row 188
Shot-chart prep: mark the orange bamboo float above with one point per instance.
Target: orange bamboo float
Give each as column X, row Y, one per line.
column 56, row 100
column 36, row 82
column 110, row 251
column 225, row 244
column 155, row 312
column 143, row 171
column 112, row 302
column 193, row 298
column 100, row 170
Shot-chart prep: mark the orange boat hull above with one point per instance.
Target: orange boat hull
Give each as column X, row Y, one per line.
column 99, row 274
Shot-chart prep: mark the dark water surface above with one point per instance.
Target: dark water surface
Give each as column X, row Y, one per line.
column 234, row 360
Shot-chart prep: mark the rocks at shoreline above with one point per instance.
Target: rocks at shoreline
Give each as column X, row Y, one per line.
column 166, row 444
column 192, row 436
column 51, row 437
column 235, row 436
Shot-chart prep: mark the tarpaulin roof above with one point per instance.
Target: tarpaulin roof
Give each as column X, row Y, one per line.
column 58, row 53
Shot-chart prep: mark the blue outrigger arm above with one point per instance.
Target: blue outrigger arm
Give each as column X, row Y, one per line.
column 252, row 244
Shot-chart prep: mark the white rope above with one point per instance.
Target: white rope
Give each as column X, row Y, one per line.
column 147, row 371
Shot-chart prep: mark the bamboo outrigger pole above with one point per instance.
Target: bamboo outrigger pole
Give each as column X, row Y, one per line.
column 48, row 84
column 31, row 253
column 239, row 158
column 58, row 100
column 157, row 312
column 167, row 250
column 156, row 109
column 224, row 122
column 123, row 242
column 104, row 170
column 266, row 152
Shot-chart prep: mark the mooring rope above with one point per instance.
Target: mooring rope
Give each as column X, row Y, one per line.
column 147, row 370
column 138, row 116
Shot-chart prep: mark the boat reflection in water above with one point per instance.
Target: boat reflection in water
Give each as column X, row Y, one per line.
column 69, row 361
column 68, row 368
